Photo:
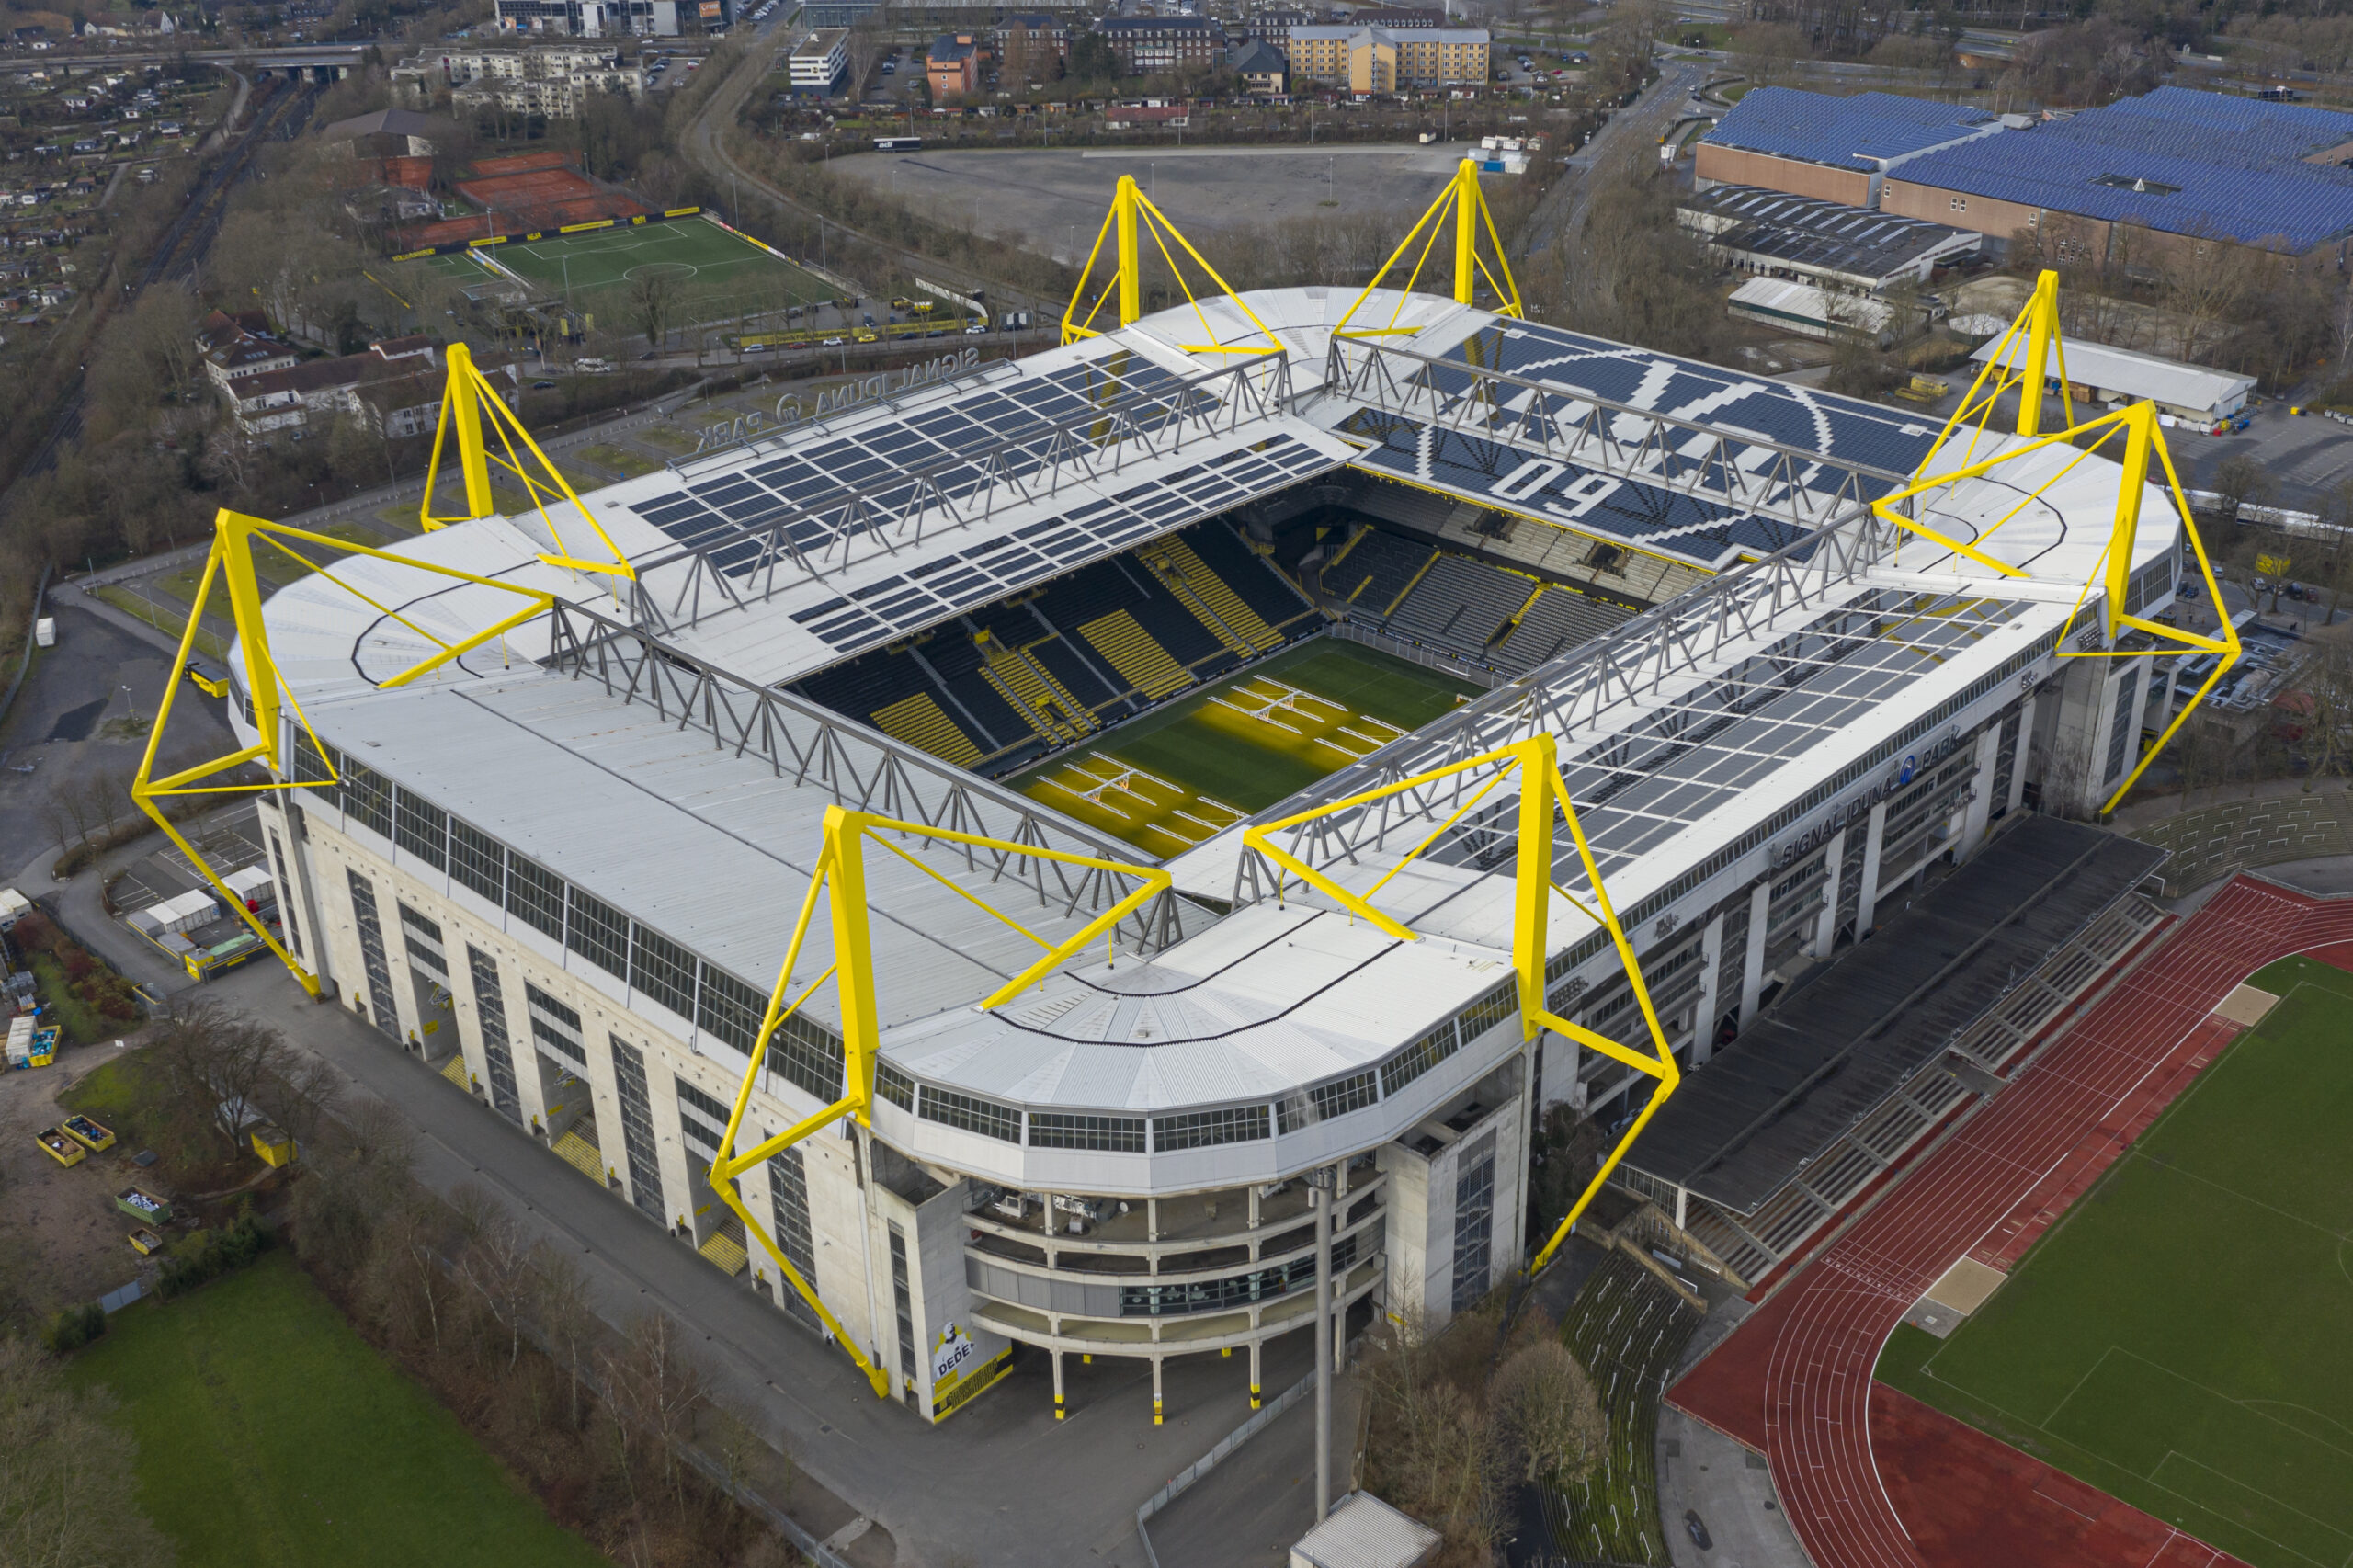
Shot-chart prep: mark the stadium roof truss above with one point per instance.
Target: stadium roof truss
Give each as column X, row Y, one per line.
column 1583, row 430
column 754, row 530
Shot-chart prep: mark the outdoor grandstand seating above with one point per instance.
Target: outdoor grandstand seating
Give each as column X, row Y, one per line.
column 1142, row 663
column 1459, row 605
column 1557, row 622
column 1373, row 574
column 1093, row 647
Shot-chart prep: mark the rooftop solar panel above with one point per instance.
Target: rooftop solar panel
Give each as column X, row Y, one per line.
column 2193, row 186
column 1855, row 133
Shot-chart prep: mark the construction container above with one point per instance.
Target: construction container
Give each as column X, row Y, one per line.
column 144, row 1242
column 45, row 632
column 20, row 1040
column 45, row 1047
column 274, row 1144
column 88, row 1133
column 61, row 1148
column 174, row 916
column 141, row 1205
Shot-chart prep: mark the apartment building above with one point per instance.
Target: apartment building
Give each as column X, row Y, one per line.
column 1378, row 60
column 1149, row 45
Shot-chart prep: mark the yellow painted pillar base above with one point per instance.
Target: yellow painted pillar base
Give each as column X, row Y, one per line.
column 1226, row 1354
column 1254, row 1396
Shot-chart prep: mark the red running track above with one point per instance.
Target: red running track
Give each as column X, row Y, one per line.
column 1795, row 1380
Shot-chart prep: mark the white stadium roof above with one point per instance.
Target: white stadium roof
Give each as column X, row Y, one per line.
column 639, row 748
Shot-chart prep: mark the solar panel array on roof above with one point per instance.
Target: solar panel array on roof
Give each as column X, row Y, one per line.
column 1650, row 517
column 2179, row 161
column 893, row 607
column 1804, row 233
column 817, row 494
column 1855, row 133
column 1635, row 790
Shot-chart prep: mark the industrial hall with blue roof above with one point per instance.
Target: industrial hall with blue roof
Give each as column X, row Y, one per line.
column 2176, row 160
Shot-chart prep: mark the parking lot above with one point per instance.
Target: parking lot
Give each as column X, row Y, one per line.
column 1055, row 198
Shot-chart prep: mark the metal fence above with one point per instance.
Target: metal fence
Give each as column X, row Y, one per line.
column 1209, row 1462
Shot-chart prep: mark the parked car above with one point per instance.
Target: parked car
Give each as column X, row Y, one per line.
column 1697, row 1530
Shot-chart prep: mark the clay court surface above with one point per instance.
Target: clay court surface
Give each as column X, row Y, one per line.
column 522, row 192
column 1870, row 1477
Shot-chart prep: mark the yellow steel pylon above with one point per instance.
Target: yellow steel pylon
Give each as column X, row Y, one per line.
column 1471, row 214
column 468, row 398
column 1131, row 217
column 2038, row 325
column 231, row 565
column 1534, row 764
column 840, row 879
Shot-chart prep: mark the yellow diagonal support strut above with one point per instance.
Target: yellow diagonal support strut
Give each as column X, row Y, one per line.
column 839, row 886
column 2018, row 360
column 1533, row 765
column 468, row 403
column 229, row 567
column 1473, row 217
column 1133, row 218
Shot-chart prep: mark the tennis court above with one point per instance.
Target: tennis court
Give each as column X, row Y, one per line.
column 702, row 259
column 2178, row 1339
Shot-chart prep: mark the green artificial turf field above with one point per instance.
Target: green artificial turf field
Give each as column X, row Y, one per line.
column 704, row 259
column 270, row 1434
column 1173, row 777
column 2179, row 1338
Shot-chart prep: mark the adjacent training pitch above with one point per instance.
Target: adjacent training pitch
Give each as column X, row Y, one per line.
column 2179, row 1338
column 703, row 260
column 1172, row 778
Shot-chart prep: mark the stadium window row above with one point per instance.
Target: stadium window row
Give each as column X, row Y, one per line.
column 803, row 1051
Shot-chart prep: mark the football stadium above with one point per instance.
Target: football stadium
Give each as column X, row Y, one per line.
column 1026, row 864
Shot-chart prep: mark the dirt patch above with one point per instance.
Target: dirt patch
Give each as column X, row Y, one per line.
column 60, row 1221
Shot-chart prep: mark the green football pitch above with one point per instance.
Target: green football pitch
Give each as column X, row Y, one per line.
column 1177, row 774
column 2183, row 1338
column 704, row 259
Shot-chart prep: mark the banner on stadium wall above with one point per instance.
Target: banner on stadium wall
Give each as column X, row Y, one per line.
column 584, row 228
column 682, row 211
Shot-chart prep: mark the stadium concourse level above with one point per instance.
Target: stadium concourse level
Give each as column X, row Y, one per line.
column 1007, row 682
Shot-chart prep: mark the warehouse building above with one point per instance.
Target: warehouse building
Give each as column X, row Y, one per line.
column 1831, row 148
column 2115, row 185
column 1775, row 235
column 2118, row 184
column 2193, row 394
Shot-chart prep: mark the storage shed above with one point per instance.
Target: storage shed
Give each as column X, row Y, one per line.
column 1362, row 1532
column 2194, row 392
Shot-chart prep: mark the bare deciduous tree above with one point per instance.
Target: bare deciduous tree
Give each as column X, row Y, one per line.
column 1549, row 1409
column 67, row 1481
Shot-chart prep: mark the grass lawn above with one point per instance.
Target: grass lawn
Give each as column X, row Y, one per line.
column 703, row 260
column 162, row 616
column 271, row 1433
column 2179, row 1338
column 1221, row 762
column 619, row 458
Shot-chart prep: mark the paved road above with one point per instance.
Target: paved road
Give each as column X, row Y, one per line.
column 60, row 725
column 1562, row 213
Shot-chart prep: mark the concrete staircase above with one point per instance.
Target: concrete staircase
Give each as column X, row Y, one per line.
column 1141, row 661
column 1215, row 605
